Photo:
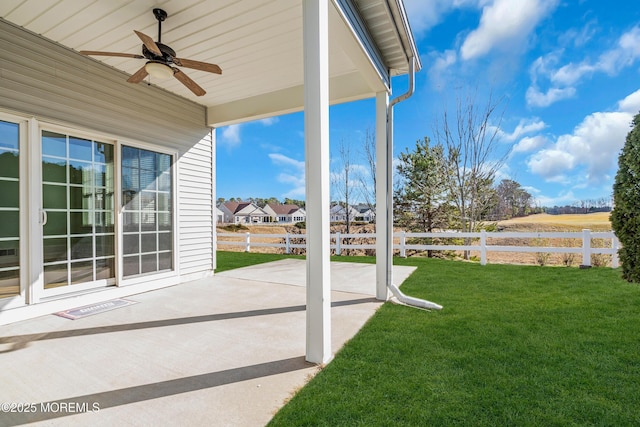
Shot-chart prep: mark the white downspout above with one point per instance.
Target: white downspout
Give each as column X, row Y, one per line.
column 401, row 297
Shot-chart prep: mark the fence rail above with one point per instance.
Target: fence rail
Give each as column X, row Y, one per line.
column 474, row 242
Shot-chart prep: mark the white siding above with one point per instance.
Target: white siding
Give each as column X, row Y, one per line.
column 53, row 83
column 196, row 209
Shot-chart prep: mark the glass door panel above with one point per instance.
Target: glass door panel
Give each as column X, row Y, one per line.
column 147, row 198
column 9, row 210
column 77, row 189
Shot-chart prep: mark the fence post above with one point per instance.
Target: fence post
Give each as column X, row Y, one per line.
column 338, row 240
column 403, row 242
column 247, row 242
column 483, row 247
column 615, row 245
column 287, row 244
column 586, row 248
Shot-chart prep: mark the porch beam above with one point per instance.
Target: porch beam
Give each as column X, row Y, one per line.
column 344, row 88
column 384, row 199
column 316, row 138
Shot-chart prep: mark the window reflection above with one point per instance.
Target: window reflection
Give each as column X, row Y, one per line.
column 9, row 209
column 147, row 200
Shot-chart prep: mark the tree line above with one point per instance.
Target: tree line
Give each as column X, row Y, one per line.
column 434, row 192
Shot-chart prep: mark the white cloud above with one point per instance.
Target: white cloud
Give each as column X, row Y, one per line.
column 538, row 99
column 292, row 174
column 529, row 143
column 551, row 164
column 524, row 127
column 505, row 24
column 542, row 68
column 269, row 121
column 593, row 146
column 631, row 104
column 570, row 74
column 561, row 199
column 611, row 62
column 623, row 55
column 578, row 37
column 231, row 135
column 282, row 160
column 562, row 80
column 424, row 15
column 441, row 63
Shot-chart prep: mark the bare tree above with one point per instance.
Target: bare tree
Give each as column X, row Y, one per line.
column 368, row 177
column 346, row 187
column 470, row 138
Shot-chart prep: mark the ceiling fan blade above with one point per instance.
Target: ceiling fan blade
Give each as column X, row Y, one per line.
column 138, row 76
column 197, row 65
column 190, row 84
column 149, row 43
column 124, row 55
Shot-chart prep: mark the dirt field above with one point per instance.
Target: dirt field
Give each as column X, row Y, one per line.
column 545, row 222
column 549, row 223
column 533, row 223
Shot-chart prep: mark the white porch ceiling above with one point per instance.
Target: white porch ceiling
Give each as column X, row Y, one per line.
column 257, row 43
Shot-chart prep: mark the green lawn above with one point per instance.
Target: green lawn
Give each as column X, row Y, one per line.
column 230, row 260
column 514, row 345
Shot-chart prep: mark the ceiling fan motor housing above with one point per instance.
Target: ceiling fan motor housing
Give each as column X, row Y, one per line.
column 167, row 53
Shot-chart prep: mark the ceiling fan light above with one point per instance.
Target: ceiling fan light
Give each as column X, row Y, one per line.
column 158, row 70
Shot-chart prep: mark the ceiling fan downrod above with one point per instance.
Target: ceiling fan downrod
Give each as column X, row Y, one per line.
column 160, row 15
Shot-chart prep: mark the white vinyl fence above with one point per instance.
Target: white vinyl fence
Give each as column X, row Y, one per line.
column 476, row 242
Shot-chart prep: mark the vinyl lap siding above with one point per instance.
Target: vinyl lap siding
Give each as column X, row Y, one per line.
column 195, row 204
column 53, row 83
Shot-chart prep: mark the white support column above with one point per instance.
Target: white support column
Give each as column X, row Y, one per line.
column 214, row 256
column 384, row 183
column 316, row 137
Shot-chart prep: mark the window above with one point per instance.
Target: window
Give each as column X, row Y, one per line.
column 9, row 210
column 147, row 199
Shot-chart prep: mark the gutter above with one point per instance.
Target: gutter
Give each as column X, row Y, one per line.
column 401, row 297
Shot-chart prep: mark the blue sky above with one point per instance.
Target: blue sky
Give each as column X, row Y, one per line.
column 568, row 73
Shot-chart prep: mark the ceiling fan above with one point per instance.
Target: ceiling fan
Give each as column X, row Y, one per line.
column 161, row 60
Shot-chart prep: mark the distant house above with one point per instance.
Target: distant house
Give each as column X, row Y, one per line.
column 339, row 213
column 288, row 214
column 365, row 213
column 219, row 216
column 361, row 213
column 243, row 213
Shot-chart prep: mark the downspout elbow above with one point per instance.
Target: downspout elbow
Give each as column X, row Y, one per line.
column 411, row 89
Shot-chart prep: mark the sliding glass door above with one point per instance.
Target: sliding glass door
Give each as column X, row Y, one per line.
column 9, row 210
column 78, row 211
column 102, row 212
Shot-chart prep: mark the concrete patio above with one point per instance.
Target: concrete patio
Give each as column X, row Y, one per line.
column 224, row 351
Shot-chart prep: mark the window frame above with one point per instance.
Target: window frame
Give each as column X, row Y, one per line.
column 23, row 208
